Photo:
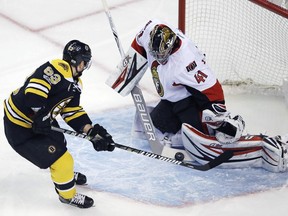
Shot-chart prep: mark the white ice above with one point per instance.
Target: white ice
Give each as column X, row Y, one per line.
column 33, row 32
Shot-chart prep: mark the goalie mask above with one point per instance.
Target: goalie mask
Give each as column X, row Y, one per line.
column 162, row 39
column 75, row 52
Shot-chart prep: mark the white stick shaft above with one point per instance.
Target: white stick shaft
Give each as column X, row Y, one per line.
column 113, row 28
column 141, row 105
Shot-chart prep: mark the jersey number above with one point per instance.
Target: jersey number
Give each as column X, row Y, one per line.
column 200, row 76
column 54, row 78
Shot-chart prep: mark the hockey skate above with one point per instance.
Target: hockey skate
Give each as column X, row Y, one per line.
column 80, row 179
column 79, row 200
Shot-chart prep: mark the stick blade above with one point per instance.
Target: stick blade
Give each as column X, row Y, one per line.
column 224, row 157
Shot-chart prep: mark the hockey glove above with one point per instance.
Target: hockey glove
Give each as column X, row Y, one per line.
column 41, row 122
column 230, row 130
column 101, row 139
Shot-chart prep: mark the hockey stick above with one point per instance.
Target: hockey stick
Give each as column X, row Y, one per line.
column 225, row 156
column 141, row 107
column 137, row 95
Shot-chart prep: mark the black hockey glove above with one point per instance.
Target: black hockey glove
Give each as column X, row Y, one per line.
column 41, row 122
column 102, row 140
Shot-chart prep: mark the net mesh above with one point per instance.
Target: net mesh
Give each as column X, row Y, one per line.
column 244, row 43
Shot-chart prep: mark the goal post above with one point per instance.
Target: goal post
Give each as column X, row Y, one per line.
column 245, row 41
column 276, row 6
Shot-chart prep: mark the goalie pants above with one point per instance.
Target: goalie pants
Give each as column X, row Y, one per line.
column 168, row 116
column 44, row 151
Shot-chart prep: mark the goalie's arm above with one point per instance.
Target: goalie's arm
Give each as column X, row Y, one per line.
column 140, row 49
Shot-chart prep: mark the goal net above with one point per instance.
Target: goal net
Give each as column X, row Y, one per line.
column 245, row 43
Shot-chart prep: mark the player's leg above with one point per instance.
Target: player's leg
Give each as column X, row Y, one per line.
column 164, row 119
column 48, row 151
column 188, row 112
column 62, row 174
column 41, row 150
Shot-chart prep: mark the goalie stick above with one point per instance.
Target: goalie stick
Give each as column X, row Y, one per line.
column 137, row 95
column 224, row 157
column 141, row 107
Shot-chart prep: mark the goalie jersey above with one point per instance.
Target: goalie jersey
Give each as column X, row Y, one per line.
column 51, row 86
column 186, row 68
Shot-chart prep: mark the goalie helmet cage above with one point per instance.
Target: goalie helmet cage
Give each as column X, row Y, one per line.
column 245, row 43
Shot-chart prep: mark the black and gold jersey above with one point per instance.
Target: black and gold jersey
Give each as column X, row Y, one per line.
column 51, row 86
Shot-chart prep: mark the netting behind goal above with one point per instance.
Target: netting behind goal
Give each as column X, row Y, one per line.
column 243, row 42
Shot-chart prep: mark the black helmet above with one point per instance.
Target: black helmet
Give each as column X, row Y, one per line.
column 161, row 43
column 75, row 52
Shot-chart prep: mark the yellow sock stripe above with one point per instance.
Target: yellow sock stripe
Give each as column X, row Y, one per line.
column 62, row 174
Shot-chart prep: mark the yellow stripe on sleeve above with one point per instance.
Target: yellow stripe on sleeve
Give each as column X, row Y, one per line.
column 17, row 111
column 37, row 92
column 42, row 82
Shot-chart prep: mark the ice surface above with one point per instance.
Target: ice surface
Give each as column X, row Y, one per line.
column 120, row 182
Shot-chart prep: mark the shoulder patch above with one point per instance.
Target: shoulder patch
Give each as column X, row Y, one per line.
column 64, row 68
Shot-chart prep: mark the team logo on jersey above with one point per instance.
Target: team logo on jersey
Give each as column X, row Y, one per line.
column 51, row 149
column 59, row 107
column 156, row 81
column 64, row 66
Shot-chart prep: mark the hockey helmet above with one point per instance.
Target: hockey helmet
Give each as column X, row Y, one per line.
column 75, row 52
column 161, row 43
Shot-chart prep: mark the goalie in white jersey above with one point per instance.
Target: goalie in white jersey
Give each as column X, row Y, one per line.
column 192, row 109
column 189, row 90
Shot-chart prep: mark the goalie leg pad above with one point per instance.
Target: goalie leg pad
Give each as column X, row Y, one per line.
column 275, row 156
column 203, row 148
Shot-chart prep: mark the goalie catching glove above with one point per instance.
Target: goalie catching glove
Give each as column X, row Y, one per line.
column 101, row 139
column 227, row 129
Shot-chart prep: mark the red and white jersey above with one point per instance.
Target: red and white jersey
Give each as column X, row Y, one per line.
column 186, row 66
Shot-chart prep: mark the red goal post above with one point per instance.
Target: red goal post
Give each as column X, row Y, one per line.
column 276, row 8
column 245, row 41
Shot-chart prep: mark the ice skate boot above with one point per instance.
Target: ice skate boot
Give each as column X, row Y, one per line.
column 79, row 200
column 80, row 179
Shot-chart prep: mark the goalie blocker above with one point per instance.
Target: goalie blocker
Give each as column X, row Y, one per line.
column 129, row 72
column 249, row 151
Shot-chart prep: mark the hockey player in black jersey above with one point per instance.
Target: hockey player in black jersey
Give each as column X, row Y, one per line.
column 30, row 111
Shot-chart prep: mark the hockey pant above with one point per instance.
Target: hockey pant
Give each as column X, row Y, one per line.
column 170, row 139
column 168, row 116
column 44, row 151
